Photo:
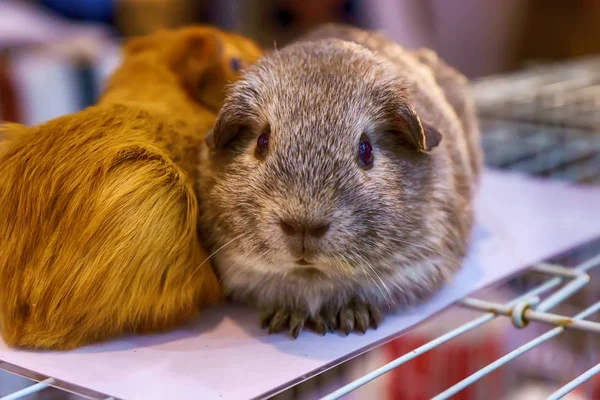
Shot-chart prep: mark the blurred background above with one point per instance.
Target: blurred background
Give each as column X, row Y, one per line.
column 75, row 41
column 535, row 68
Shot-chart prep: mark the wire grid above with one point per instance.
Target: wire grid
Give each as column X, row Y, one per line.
column 521, row 310
column 544, row 121
column 46, row 387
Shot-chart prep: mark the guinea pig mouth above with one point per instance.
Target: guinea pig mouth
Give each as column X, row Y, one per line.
column 302, row 261
column 307, row 273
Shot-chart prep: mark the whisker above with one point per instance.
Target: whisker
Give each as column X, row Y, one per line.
column 244, row 267
column 370, row 276
column 448, row 257
column 390, row 297
column 228, row 271
column 385, row 286
column 239, row 272
column 210, row 256
column 457, row 262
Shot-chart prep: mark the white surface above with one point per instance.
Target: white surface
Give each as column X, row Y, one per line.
column 227, row 356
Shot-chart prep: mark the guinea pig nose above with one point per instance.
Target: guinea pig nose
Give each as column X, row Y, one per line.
column 319, row 230
column 290, row 227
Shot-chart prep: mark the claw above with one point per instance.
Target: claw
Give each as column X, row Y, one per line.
column 265, row 318
column 346, row 320
column 330, row 315
column 361, row 314
column 297, row 321
column 279, row 321
column 376, row 316
column 319, row 324
column 354, row 315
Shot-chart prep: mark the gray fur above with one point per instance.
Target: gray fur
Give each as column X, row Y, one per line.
column 398, row 231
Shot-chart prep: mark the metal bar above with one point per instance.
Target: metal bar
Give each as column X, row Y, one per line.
column 363, row 380
column 344, row 390
column 589, row 264
column 552, row 269
column 560, row 393
column 531, row 315
column 581, row 279
column 565, row 292
column 58, row 384
column 512, row 355
column 29, row 390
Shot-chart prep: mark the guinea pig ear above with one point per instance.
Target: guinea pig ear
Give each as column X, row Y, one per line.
column 424, row 137
column 240, row 113
column 209, row 139
column 203, row 44
column 224, row 131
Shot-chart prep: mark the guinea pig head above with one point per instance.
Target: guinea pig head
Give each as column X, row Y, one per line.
column 205, row 59
column 320, row 162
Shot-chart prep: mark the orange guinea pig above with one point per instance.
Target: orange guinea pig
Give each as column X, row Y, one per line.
column 98, row 215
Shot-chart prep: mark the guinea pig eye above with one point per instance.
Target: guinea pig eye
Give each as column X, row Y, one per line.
column 235, row 64
column 262, row 144
column 365, row 153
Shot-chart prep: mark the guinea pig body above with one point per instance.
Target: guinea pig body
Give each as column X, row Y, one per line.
column 339, row 181
column 98, row 215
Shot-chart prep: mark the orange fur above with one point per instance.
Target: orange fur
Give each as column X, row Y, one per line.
column 98, row 217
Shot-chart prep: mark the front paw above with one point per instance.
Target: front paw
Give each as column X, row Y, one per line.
column 354, row 315
column 279, row 319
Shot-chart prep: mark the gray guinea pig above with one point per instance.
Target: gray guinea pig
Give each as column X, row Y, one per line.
column 337, row 182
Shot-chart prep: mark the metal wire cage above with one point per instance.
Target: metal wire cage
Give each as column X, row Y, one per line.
column 541, row 327
column 544, row 121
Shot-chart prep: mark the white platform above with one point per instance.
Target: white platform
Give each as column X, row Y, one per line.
column 226, row 356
